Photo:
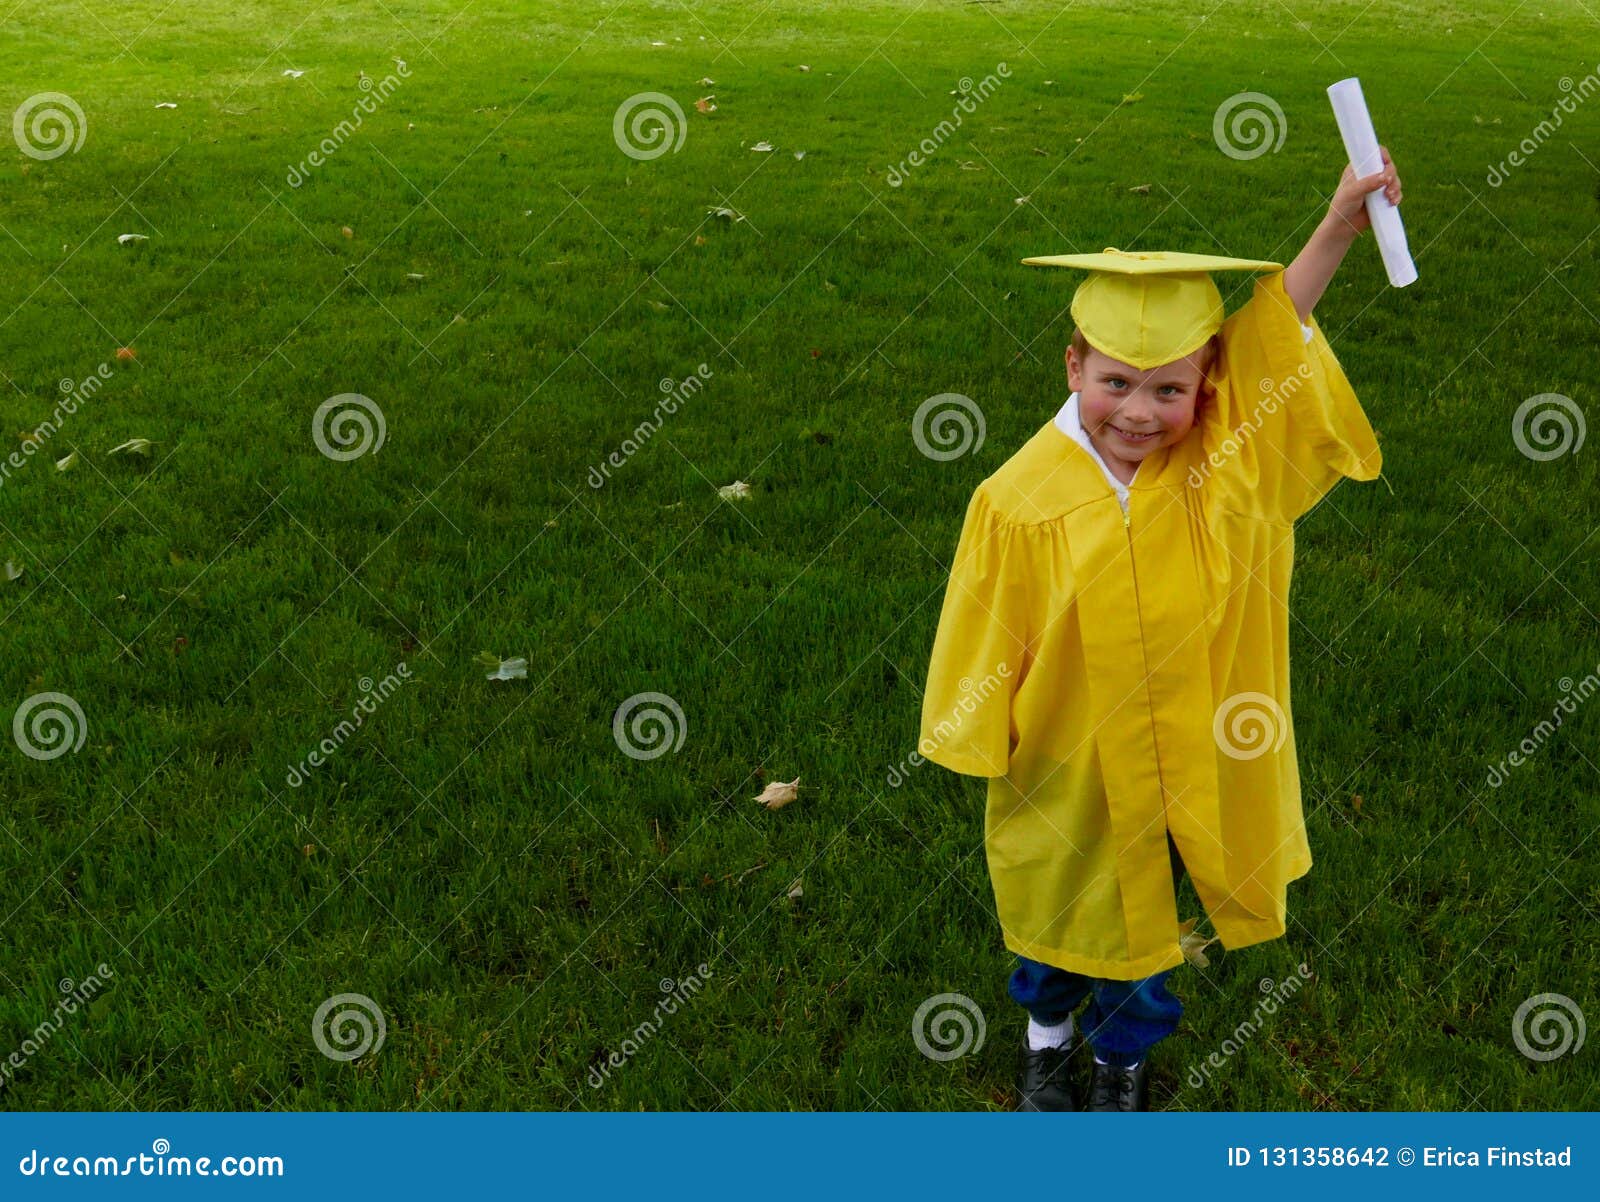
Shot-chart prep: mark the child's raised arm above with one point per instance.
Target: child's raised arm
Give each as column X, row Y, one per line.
column 1307, row 277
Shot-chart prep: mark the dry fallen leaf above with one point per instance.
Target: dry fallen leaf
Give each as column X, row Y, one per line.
column 762, row 147
column 1141, row 189
column 795, row 890
column 706, row 104
column 1022, row 200
column 510, row 669
column 725, row 212
column 12, row 570
column 292, row 73
column 1193, row 944
column 803, row 67
column 134, row 446
column 166, row 104
column 348, row 232
column 66, row 461
column 779, row 793
column 125, row 239
column 1132, row 97
column 799, row 154
column 708, row 82
column 737, row 491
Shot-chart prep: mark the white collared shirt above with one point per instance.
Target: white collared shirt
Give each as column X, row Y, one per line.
column 1070, row 424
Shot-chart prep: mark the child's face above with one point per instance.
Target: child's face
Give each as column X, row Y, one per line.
column 1128, row 413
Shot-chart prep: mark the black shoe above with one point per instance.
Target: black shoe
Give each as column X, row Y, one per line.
column 1045, row 1081
column 1116, row 1088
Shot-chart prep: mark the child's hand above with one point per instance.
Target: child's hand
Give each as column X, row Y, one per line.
column 1350, row 199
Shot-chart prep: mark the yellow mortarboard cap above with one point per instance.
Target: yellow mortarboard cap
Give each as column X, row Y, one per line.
column 1146, row 308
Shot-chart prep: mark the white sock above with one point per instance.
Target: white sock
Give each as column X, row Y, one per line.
column 1135, row 1064
column 1057, row 1036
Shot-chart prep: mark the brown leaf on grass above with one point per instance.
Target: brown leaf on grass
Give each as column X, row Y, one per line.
column 1141, row 189
column 1194, row 944
column 706, row 104
column 779, row 793
column 796, row 891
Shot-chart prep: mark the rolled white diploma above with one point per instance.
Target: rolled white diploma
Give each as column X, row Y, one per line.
column 1361, row 144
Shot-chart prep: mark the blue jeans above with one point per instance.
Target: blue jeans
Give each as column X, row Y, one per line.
column 1124, row 1019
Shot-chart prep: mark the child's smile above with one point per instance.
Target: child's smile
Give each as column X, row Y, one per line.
column 1128, row 413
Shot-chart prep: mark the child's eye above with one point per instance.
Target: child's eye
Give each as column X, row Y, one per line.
column 1115, row 381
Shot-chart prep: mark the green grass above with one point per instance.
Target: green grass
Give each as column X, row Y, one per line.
column 479, row 858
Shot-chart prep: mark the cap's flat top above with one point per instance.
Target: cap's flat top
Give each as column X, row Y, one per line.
column 1150, row 262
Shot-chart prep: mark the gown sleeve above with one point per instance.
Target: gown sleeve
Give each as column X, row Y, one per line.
column 978, row 653
column 1284, row 424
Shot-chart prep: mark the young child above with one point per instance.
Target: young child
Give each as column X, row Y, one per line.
column 1113, row 649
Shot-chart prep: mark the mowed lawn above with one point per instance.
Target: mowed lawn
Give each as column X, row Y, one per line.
column 526, row 905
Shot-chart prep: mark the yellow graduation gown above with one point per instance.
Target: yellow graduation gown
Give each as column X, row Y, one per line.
column 1118, row 677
